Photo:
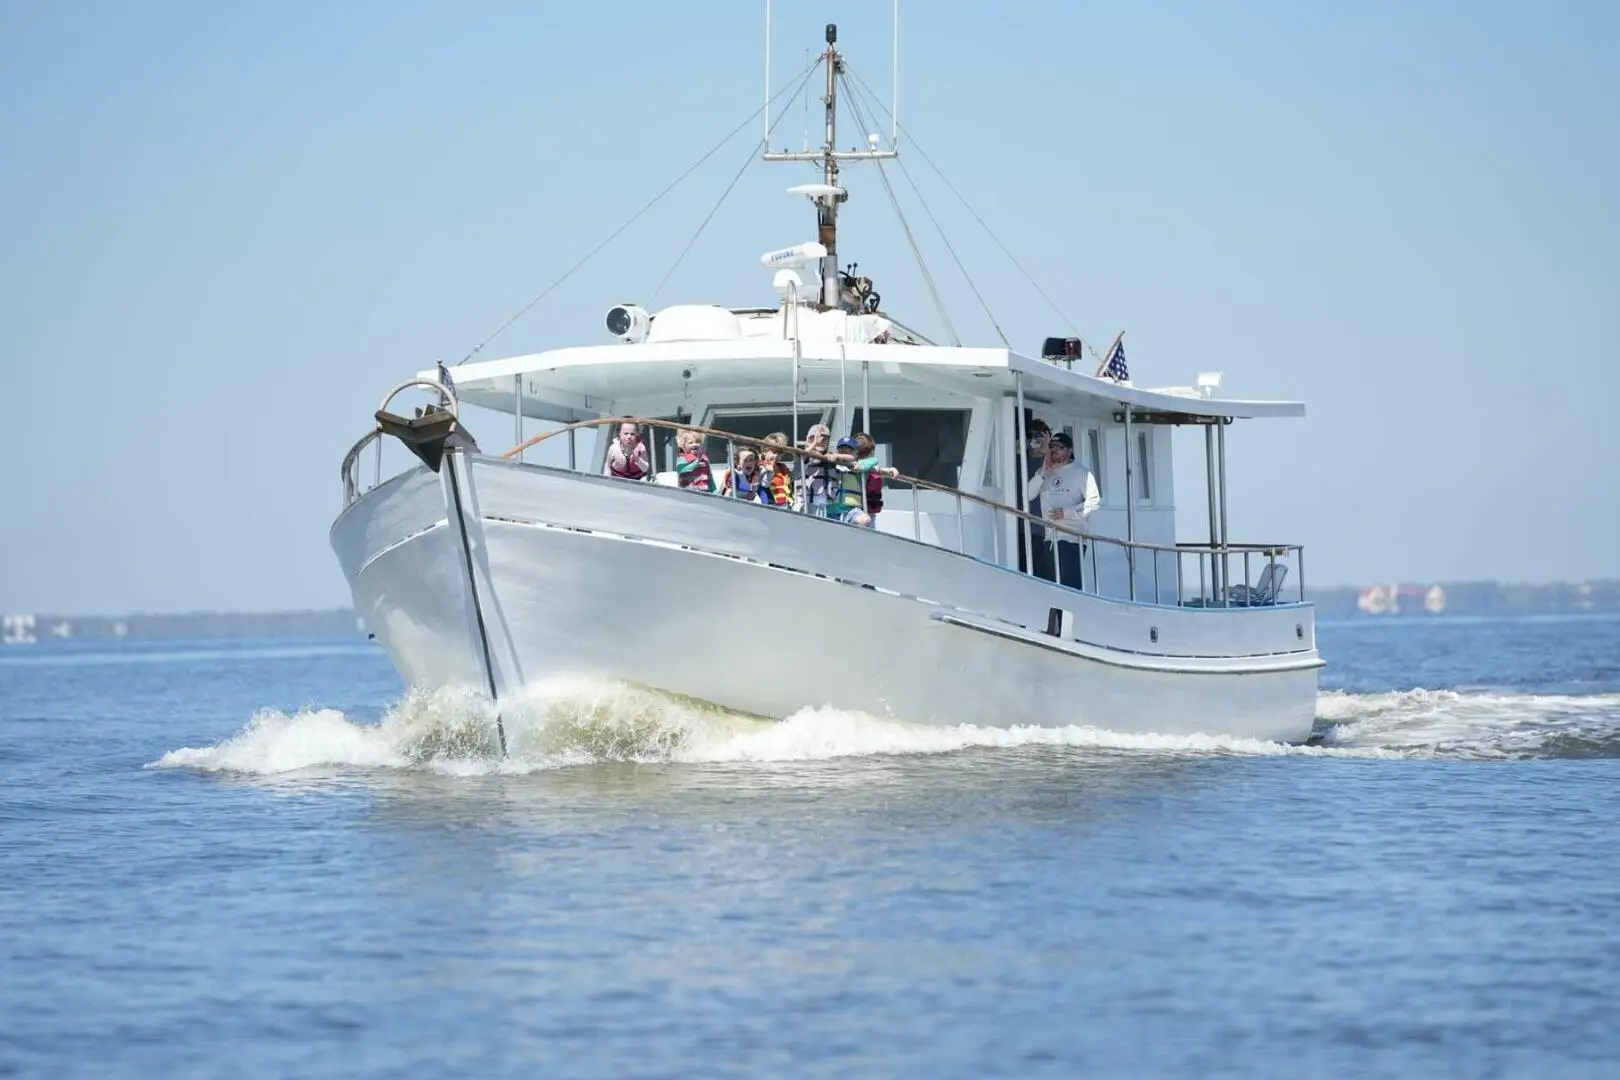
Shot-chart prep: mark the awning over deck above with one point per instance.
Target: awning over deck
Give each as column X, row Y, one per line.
column 579, row 383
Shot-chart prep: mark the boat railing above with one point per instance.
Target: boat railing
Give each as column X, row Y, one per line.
column 1220, row 575
column 351, row 466
column 350, row 470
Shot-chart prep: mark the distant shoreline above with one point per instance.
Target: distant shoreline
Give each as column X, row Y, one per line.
column 1426, row 600
column 1396, row 600
column 23, row 629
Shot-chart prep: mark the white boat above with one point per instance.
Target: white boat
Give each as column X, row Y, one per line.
column 487, row 569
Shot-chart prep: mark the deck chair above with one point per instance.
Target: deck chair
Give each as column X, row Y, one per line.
column 1265, row 590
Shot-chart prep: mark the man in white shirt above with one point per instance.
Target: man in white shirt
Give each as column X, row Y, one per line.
column 1068, row 494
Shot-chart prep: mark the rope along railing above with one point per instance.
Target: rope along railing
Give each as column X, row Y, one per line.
column 1166, row 577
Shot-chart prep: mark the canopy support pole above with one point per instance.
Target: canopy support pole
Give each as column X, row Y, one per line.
column 1020, row 480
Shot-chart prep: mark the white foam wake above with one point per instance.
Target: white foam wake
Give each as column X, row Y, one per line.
column 573, row 722
column 576, row 722
column 819, row 734
column 1483, row 724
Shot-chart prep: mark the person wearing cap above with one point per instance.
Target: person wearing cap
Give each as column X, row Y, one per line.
column 846, row 499
column 1068, row 494
column 816, row 478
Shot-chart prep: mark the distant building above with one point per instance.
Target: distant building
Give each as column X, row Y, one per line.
column 1393, row 599
column 17, row 630
column 1468, row 598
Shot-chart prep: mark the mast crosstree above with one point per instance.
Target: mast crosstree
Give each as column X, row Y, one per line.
column 827, row 195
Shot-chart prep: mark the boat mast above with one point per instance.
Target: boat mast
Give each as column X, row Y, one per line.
column 827, row 208
column 828, row 194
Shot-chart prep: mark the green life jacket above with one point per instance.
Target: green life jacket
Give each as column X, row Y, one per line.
column 850, row 494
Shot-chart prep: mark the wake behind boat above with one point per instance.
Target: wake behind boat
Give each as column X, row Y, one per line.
column 945, row 596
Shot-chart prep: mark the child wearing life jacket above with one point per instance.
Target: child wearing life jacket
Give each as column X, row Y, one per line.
column 627, row 455
column 846, row 501
column 866, row 449
column 692, row 464
column 743, row 480
column 776, row 478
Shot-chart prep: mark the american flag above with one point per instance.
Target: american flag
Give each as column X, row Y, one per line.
column 446, row 382
column 1114, row 367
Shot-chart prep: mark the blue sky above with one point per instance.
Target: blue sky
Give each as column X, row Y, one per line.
column 225, row 229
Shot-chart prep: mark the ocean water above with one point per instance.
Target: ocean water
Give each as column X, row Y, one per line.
column 262, row 858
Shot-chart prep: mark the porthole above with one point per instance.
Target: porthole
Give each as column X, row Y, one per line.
column 1153, row 633
column 1299, row 631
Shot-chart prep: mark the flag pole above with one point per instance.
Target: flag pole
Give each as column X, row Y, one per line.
column 1106, row 356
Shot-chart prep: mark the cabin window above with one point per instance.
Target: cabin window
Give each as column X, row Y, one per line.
column 1144, row 466
column 1094, row 457
column 758, row 421
column 926, row 443
column 660, row 442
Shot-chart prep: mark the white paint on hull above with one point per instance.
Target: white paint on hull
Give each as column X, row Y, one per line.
column 768, row 612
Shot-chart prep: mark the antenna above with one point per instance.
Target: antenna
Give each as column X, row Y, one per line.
column 828, row 195
column 894, row 91
column 894, row 78
column 767, row 74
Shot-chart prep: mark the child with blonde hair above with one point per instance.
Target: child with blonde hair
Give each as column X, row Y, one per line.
column 692, row 464
column 776, row 476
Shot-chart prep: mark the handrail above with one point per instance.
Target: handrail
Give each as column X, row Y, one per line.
column 915, row 482
column 1254, row 548
column 1226, row 552
column 1259, row 549
column 351, row 485
column 1220, row 594
column 448, row 390
column 348, row 471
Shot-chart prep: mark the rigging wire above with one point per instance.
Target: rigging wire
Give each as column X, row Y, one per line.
column 982, row 224
column 860, row 118
column 524, row 310
column 922, row 264
column 753, row 154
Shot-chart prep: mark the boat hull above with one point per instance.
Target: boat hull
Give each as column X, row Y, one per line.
column 766, row 612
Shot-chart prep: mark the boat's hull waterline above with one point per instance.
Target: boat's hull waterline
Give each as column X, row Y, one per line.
column 547, row 573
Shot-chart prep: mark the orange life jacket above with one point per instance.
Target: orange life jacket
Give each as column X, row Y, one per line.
column 780, row 485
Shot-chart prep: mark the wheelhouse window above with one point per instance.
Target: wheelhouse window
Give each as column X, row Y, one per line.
column 1144, row 466
column 1094, row 458
column 758, row 421
column 660, row 442
column 926, row 443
